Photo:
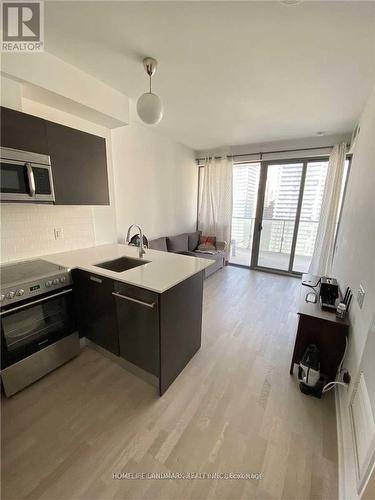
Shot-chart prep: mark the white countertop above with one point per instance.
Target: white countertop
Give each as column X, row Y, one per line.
column 164, row 270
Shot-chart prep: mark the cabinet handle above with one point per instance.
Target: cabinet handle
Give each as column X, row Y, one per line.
column 147, row 304
column 97, row 280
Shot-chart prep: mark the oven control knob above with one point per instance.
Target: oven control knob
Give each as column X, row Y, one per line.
column 48, row 283
column 56, row 281
column 63, row 279
column 2, row 297
column 10, row 295
column 20, row 292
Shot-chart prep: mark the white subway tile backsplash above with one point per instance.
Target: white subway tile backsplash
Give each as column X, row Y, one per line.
column 28, row 230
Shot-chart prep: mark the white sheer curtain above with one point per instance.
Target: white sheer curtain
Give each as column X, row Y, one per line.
column 215, row 211
column 321, row 262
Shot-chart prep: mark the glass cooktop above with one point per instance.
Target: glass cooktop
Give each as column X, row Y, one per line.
column 23, row 272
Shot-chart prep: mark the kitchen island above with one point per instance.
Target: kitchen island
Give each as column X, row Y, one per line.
column 149, row 316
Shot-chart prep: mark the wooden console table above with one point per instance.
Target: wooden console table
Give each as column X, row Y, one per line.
column 322, row 328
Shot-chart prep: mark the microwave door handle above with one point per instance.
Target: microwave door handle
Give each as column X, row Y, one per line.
column 30, row 176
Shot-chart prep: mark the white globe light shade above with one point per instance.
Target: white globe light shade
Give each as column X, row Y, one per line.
column 150, row 108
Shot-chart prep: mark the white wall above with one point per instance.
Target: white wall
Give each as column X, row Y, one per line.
column 354, row 262
column 155, row 182
column 11, row 93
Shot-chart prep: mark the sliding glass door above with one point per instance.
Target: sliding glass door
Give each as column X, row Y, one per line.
column 279, row 213
column 288, row 217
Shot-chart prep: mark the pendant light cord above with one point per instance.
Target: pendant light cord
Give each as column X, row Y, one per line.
column 150, row 84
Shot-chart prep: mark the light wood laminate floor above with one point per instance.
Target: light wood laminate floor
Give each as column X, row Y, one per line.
column 234, row 408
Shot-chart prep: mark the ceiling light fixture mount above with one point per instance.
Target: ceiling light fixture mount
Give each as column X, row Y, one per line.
column 150, row 64
column 149, row 105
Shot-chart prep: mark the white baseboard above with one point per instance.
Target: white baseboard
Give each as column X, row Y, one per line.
column 346, row 461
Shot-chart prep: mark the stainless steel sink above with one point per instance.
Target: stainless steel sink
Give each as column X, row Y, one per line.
column 122, row 264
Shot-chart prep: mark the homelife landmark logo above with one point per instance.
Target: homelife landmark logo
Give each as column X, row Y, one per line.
column 22, row 26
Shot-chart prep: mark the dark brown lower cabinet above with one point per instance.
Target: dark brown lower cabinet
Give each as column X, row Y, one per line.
column 96, row 310
column 159, row 333
column 138, row 326
column 180, row 327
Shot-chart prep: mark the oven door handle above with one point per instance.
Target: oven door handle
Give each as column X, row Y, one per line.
column 18, row 308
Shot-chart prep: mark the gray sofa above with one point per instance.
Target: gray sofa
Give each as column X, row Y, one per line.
column 186, row 244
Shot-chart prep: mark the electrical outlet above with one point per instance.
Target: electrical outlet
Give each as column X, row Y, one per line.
column 59, row 234
column 361, row 296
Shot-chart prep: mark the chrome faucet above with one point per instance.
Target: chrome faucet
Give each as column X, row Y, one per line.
column 141, row 248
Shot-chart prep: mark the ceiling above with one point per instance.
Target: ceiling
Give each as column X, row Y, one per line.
column 229, row 72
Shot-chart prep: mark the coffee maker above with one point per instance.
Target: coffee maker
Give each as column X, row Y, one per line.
column 329, row 292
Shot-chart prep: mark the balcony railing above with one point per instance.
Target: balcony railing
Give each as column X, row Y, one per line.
column 276, row 238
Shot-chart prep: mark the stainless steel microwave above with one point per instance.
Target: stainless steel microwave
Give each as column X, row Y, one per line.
column 25, row 177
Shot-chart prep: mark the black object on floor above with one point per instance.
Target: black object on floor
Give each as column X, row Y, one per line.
column 317, row 390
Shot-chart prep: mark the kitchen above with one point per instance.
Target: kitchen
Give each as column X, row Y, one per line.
column 128, row 301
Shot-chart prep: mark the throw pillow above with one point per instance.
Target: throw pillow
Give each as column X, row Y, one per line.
column 207, row 243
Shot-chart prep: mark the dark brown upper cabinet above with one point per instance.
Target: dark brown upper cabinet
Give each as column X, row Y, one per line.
column 79, row 166
column 23, row 131
column 79, row 161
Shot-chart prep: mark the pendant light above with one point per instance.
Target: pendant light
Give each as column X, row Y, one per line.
column 149, row 105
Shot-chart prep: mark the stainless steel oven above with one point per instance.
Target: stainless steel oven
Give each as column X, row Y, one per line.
column 38, row 327
column 25, row 177
column 35, row 324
